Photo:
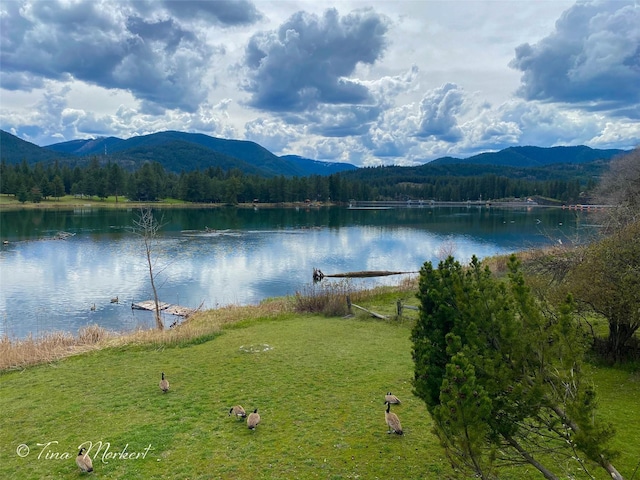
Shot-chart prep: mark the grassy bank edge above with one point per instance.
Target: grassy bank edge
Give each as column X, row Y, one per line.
column 10, row 202
column 17, row 354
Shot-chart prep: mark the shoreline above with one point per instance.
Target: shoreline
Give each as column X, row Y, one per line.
column 92, row 203
column 8, row 202
column 68, row 202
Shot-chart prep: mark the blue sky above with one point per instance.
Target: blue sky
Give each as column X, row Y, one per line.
column 365, row 82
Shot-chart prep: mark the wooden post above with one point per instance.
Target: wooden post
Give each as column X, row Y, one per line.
column 349, row 304
column 399, row 307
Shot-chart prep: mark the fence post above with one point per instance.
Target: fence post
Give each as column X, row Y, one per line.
column 399, row 307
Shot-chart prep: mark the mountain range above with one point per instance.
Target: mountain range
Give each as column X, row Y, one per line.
column 534, row 156
column 175, row 151
column 184, row 152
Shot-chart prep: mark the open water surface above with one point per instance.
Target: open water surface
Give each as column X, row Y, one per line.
column 219, row 256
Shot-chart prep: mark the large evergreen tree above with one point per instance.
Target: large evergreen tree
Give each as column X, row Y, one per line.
column 501, row 377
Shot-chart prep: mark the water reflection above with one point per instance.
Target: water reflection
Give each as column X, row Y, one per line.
column 215, row 257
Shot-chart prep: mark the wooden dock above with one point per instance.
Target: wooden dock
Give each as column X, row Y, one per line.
column 164, row 307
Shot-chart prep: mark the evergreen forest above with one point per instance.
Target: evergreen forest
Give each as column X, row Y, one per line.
column 152, row 182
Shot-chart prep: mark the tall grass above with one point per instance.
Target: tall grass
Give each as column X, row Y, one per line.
column 329, row 298
column 15, row 354
column 34, row 350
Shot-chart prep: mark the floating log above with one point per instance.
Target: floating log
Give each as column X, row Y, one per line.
column 164, row 307
column 318, row 275
column 149, row 305
column 63, row 235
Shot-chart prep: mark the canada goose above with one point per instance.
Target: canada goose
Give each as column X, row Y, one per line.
column 84, row 461
column 391, row 398
column 114, row 300
column 253, row 419
column 238, row 411
column 392, row 421
column 164, row 384
column 93, row 307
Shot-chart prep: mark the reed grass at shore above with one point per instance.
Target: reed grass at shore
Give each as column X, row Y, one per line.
column 47, row 348
column 327, row 299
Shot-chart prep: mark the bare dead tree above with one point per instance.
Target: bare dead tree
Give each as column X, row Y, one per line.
column 147, row 227
column 446, row 249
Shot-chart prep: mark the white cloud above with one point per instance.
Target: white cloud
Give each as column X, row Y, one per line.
column 367, row 82
column 439, row 109
column 592, row 57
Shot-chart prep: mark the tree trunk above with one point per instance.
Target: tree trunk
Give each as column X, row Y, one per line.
column 603, row 462
column 541, row 468
column 148, row 227
column 156, row 312
column 619, row 334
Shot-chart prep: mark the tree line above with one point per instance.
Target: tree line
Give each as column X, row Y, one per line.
column 152, row 182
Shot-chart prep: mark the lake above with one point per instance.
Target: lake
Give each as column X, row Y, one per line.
column 52, row 281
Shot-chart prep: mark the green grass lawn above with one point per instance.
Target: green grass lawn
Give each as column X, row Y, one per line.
column 319, row 387
column 72, row 200
column 318, row 383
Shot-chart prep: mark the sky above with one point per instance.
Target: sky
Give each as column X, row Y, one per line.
column 364, row 82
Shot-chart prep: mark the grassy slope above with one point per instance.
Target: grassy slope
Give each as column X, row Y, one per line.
column 319, row 389
column 72, row 201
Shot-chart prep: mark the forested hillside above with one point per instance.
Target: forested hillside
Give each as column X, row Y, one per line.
column 152, row 182
column 530, row 156
column 177, row 152
column 199, row 168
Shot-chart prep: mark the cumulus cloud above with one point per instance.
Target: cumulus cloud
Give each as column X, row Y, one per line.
column 342, row 121
column 272, row 133
column 367, row 86
column 592, row 58
column 438, row 111
column 109, row 44
column 308, row 60
column 21, row 81
column 391, row 136
column 222, row 12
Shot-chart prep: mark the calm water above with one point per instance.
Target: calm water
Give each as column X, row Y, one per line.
column 217, row 257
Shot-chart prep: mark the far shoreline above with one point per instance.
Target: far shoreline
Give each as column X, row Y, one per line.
column 10, row 203
column 70, row 202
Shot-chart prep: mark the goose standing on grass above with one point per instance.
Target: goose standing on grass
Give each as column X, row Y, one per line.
column 84, row 461
column 253, row 419
column 392, row 420
column 164, row 384
column 391, row 398
column 238, row 411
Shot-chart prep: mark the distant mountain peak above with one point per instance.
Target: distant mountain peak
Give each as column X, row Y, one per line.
column 176, row 151
column 531, row 156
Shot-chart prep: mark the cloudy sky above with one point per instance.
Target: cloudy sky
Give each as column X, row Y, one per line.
column 366, row 82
